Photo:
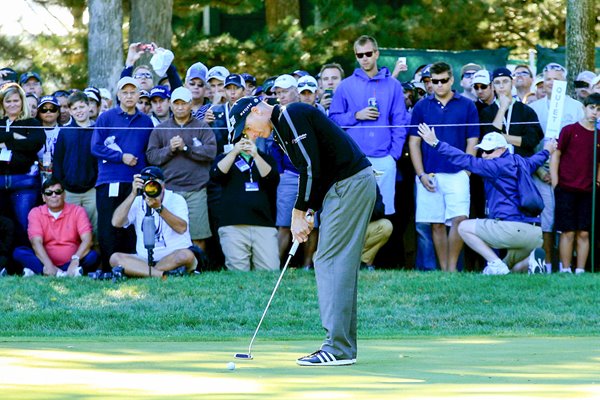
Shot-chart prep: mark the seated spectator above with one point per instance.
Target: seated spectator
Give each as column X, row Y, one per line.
column 379, row 231
column 61, row 237
column 506, row 226
column 74, row 165
column 572, row 171
column 173, row 248
column 247, row 231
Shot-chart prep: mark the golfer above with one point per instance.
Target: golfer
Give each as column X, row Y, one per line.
column 337, row 180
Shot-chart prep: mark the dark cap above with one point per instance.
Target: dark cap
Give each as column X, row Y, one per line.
column 144, row 93
column 160, row 91
column 239, row 112
column 502, row 71
column 249, row 78
column 235, row 79
column 10, row 75
column 28, row 75
column 152, row 172
column 426, row 72
column 48, row 99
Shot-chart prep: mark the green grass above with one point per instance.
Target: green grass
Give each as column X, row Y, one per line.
column 227, row 306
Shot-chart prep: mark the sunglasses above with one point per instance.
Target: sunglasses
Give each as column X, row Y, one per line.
column 309, row 84
column 141, row 75
column 198, row 84
column 522, row 73
column 442, row 81
column 488, row 151
column 468, row 74
column 49, row 193
column 554, row 67
column 480, row 86
column 365, row 54
column 47, row 110
column 582, row 85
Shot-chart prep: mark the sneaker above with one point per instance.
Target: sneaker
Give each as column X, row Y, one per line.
column 118, row 273
column 322, row 358
column 366, row 267
column 496, row 268
column 579, row 271
column 565, row 270
column 100, row 275
column 28, row 272
column 179, row 271
column 60, row 273
column 536, row 261
column 3, row 272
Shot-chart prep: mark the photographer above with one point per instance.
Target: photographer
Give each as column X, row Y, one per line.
column 173, row 249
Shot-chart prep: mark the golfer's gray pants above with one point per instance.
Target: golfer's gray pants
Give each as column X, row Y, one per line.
column 346, row 212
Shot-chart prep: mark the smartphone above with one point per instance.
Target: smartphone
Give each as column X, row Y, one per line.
column 402, row 60
column 329, row 92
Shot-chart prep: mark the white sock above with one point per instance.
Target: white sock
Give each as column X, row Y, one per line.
column 548, row 268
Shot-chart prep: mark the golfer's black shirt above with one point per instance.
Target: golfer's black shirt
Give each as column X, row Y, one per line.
column 321, row 151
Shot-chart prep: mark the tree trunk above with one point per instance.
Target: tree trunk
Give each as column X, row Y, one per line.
column 151, row 22
column 581, row 36
column 105, row 43
column 278, row 10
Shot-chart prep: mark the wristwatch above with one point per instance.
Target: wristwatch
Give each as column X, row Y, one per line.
column 434, row 144
column 185, row 148
column 74, row 257
column 159, row 209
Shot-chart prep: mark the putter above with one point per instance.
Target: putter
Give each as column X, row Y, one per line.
column 248, row 356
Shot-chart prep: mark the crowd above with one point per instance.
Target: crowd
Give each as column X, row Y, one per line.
column 154, row 180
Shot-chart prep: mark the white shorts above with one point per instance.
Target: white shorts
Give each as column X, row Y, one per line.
column 548, row 197
column 385, row 174
column 451, row 199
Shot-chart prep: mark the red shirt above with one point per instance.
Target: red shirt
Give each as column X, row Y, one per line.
column 575, row 170
column 61, row 237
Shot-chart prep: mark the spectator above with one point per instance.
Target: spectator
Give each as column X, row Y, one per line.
column 466, row 79
column 514, row 119
column 483, row 90
column 143, row 73
column 307, row 90
column 173, row 250
column 426, row 79
column 160, row 100
column 7, row 75
column 93, row 95
column 216, row 80
column 247, row 231
column 250, row 81
column 7, row 232
column 583, row 84
column 505, row 227
column 596, row 84
column 572, row 112
column 32, row 102
column 442, row 193
column 523, row 81
column 331, row 76
column 106, row 100
column 48, row 113
column 370, row 103
column 119, row 143
column 74, row 165
column 572, row 170
column 333, row 185
column 184, row 148
column 195, row 81
column 286, row 89
column 538, row 84
column 378, row 232
column 31, row 82
column 19, row 172
column 143, row 104
column 61, row 237
column 63, row 99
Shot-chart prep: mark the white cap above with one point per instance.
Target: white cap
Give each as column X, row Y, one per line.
column 285, row 81
column 307, row 82
column 105, row 94
column 595, row 81
column 217, row 72
column 491, row 141
column 127, row 80
column 586, row 76
column 481, row 77
column 181, row 93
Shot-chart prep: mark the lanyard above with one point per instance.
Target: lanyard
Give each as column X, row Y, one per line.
column 230, row 131
column 507, row 118
column 250, row 165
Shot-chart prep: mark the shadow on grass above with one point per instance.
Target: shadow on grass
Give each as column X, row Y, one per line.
column 474, row 367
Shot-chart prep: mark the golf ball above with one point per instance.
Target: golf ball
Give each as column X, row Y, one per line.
column 231, row 366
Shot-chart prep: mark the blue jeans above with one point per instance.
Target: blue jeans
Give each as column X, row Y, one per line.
column 27, row 259
column 426, row 259
column 20, row 193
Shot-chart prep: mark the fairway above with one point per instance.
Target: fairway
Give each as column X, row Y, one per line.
column 448, row 368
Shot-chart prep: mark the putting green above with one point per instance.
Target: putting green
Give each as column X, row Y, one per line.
column 448, row 368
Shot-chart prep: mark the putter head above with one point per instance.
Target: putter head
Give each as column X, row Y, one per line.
column 243, row 356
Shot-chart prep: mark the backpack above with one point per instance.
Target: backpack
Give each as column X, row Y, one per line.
column 529, row 200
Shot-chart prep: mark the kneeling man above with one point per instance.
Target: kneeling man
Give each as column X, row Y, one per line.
column 506, row 226
column 173, row 248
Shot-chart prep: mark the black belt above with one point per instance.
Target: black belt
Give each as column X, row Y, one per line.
column 534, row 223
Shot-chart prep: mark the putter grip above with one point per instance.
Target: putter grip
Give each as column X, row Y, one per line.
column 294, row 248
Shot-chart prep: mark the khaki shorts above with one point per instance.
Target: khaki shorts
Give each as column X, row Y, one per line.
column 198, row 214
column 519, row 238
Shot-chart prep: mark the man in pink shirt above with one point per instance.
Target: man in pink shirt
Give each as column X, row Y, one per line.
column 61, row 237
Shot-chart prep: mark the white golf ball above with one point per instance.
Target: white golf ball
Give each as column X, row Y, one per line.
column 231, row 366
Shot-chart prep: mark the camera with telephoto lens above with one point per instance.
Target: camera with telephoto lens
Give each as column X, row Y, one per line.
column 151, row 187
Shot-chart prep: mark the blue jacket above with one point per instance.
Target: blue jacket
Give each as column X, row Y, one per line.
column 73, row 162
column 112, row 126
column 375, row 138
column 502, row 171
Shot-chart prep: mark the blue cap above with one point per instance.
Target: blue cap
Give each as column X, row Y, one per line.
column 235, row 79
column 502, row 71
column 28, row 75
column 426, row 72
column 160, row 91
column 300, row 73
column 249, row 78
column 197, row 70
column 48, row 99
